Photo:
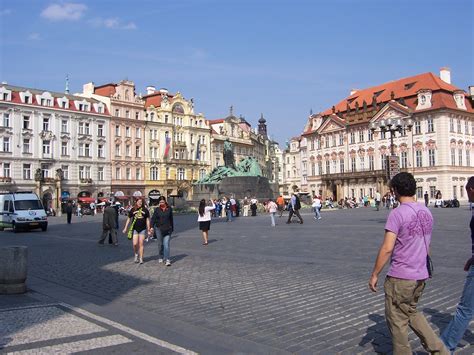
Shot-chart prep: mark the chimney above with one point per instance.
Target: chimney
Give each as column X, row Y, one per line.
column 88, row 89
column 163, row 91
column 471, row 91
column 445, row 75
column 150, row 90
column 353, row 91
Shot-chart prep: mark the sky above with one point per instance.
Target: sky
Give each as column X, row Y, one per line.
column 279, row 58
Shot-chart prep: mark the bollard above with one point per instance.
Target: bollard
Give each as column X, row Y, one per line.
column 13, row 269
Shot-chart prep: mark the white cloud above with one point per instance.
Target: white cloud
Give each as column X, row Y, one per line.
column 34, row 36
column 64, row 11
column 5, row 12
column 112, row 23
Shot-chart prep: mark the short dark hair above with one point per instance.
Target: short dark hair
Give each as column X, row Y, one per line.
column 470, row 183
column 404, row 184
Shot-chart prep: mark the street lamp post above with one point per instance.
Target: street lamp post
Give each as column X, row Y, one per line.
column 392, row 126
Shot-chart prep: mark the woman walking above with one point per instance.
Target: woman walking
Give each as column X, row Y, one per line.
column 272, row 208
column 317, row 204
column 163, row 221
column 139, row 221
column 204, row 219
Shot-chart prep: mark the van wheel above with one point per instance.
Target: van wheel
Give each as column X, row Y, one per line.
column 44, row 228
column 2, row 229
column 14, row 228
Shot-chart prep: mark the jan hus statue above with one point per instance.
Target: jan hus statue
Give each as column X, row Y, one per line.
column 228, row 154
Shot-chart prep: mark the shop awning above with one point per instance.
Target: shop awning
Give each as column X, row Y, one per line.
column 122, row 197
column 86, row 199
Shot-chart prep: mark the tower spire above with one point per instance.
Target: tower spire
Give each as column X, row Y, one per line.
column 231, row 110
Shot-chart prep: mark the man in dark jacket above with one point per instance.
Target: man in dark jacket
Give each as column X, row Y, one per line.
column 108, row 225
column 295, row 206
column 69, row 211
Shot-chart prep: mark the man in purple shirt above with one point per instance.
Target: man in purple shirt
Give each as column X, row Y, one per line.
column 406, row 244
column 461, row 319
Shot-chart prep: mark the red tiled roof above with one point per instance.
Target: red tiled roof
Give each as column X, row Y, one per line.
column 219, row 120
column 15, row 98
column 407, row 89
column 155, row 99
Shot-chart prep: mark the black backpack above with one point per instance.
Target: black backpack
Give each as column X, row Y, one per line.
column 297, row 203
column 227, row 205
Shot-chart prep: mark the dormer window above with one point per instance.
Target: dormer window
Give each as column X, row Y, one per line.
column 5, row 94
column 424, row 99
column 459, row 99
column 27, row 99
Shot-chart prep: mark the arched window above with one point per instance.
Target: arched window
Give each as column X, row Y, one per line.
column 181, row 174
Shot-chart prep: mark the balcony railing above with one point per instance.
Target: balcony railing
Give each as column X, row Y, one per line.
column 355, row 174
column 86, row 181
column 5, row 179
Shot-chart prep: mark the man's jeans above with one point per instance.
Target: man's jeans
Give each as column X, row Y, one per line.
column 164, row 246
column 317, row 212
column 229, row 215
column 453, row 334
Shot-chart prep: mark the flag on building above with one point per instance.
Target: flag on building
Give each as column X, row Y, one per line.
column 167, row 147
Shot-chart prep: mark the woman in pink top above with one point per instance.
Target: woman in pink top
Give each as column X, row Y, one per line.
column 204, row 219
column 272, row 207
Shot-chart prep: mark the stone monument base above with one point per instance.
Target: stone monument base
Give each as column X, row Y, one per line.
column 238, row 186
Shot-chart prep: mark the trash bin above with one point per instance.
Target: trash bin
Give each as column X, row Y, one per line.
column 13, row 269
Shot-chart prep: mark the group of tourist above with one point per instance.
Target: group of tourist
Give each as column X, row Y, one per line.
column 406, row 247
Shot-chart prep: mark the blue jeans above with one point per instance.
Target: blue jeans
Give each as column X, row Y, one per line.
column 272, row 216
column 164, row 247
column 453, row 334
column 317, row 212
column 229, row 215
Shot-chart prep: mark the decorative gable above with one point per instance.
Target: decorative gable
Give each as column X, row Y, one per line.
column 459, row 99
column 424, row 99
column 393, row 111
column 332, row 124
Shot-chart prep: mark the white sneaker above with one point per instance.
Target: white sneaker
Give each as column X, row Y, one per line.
column 319, row 217
column 168, row 263
column 141, row 260
column 136, row 258
column 160, row 261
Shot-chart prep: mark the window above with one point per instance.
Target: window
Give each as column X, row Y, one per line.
column 26, row 145
column 6, row 144
column 64, row 148
column 117, row 131
column 26, row 171
column 419, row 158
column 419, row 192
column 353, row 164
column 371, row 136
column 433, row 191
column 46, row 124
column 455, row 189
column 417, row 127
column 64, row 126
column 138, row 174
column 117, row 173
column 460, row 157
column 459, row 125
column 100, row 173
column 362, row 163
column 100, row 130
column 313, row 169
column 65, row 169
column 382, row 135
column 138, row 132
column 127, row 131
column 166, row 118
column 153, row 173
column 384, row 162
column 461, row 191
column 312, row 142
column 333, row 138
column 6, row 170
column 352, row 135
column 430, row 125
column 319, row 143
column 127, row 114
column 466, row 127
column 128, row 173
column 431, row 157
column 451, row 125
column 6, row 120
column 341, row 139
column 361, row 136
column 117, row 112
column 127, row 150
column 87, row 150
column 137, row 151
column 117, row 150
column 404, row 160
column 453, row 156
column 468, row 157
column 26, row 122
column 341, row 165
column 328, row 167
column 86, row 128
column 100, row 151
column 137, row 115
column 82, row 172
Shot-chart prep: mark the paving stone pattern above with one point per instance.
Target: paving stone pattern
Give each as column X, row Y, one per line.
column 296, row 288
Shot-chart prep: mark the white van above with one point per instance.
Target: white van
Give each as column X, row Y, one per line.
column 22, row 210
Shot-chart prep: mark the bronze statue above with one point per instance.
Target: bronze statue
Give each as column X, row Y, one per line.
column 228, row 154
column 38, row 175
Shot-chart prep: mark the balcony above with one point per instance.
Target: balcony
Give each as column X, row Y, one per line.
column 85, row 181
column 5, row 179
column 364, row 174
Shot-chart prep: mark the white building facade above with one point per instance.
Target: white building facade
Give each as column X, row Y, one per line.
column 54, row 144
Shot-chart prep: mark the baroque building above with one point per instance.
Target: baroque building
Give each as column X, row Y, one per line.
column 178, row 144
column 341, row 156
column 54, row 144
column 127, row 139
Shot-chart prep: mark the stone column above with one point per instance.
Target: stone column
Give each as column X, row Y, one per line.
column 58, row 198
column 13, row 269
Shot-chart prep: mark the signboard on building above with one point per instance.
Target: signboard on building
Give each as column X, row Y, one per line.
column 393, row 166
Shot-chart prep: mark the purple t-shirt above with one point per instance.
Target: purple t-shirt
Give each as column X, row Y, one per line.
column 412, row 223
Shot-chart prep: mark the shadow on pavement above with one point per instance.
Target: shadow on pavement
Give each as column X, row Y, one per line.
column 377, row 335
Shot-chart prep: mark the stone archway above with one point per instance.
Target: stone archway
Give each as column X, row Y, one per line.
column 47, row 200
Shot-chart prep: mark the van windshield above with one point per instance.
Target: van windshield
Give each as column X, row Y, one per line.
column 22, row 205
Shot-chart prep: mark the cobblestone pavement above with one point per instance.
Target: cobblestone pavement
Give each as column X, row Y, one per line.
column 254, row 289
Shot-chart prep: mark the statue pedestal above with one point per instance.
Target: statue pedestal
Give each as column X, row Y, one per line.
column 238, row 186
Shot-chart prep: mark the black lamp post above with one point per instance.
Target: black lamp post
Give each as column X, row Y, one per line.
column 392, row 126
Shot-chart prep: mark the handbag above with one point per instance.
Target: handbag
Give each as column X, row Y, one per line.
column 429, row 261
